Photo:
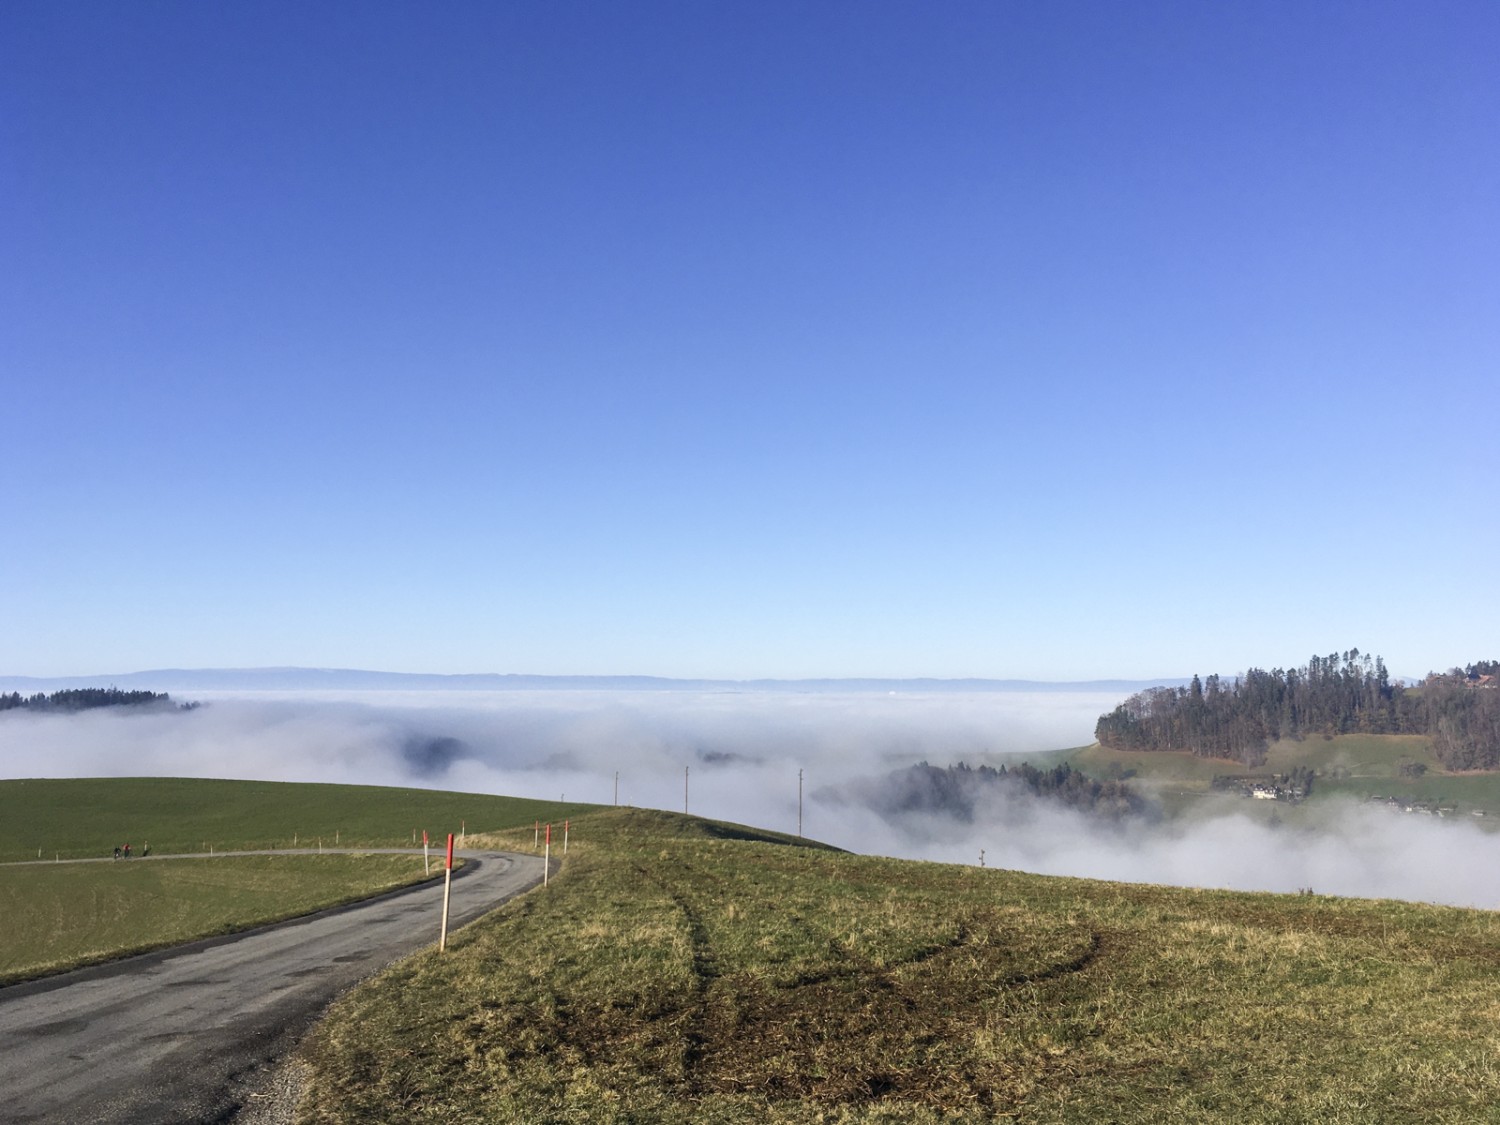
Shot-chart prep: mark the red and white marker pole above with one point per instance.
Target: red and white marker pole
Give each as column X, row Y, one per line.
column 547, row 856
column 447, row 889
column 426, row 862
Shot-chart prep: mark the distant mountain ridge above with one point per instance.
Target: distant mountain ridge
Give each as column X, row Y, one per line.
column 353, row 679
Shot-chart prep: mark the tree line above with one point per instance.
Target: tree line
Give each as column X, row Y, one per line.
column 1341, row 693
column 956, row 790
column 84, row 699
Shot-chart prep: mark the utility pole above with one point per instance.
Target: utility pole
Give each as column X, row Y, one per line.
column 617, row 788
column 799, row 804
column 684, row 789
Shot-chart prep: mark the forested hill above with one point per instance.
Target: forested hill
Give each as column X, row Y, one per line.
column 86, row 699
column 1337, row 694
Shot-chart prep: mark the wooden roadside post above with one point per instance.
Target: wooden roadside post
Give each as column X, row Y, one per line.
column 447, row 889
column 565, row 837
column 547, row 856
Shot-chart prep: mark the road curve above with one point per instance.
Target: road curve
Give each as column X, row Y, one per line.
column 187, row 1034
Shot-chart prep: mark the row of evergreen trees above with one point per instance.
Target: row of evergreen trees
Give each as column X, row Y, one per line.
column 83, row 699
column 955, row 791
column 1336, row 694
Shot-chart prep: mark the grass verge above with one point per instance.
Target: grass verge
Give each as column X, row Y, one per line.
column 679, row 974
column 71, row 914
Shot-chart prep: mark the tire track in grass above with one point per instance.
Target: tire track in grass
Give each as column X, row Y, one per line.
column 854, row 1028
column 705, row 971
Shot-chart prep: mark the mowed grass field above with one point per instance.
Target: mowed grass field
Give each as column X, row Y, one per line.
column 89, row 817
column 60, row 916
column 679, row 971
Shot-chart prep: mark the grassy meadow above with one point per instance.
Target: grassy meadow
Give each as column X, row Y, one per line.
column 89, row 817
column 1349, row 766
column 679, row 971
column 60, row 916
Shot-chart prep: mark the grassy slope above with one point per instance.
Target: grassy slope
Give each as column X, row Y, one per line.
column 673, row 975
column 79, row 818
column 1348, row 766
column 59, row 917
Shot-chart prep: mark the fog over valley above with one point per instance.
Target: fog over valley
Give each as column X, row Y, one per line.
column 742, row 751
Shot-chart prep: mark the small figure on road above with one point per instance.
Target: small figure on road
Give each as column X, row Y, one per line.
column 117, row 851
column 127, row 851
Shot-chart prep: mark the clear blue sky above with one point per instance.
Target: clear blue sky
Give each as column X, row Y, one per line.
column 1059, row 341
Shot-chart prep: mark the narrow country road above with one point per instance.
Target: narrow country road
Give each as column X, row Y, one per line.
column 187, row 1034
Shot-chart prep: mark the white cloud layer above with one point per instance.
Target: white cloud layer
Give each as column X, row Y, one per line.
column 743, row 751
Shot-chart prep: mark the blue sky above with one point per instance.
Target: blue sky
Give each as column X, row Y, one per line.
column 1056, row 341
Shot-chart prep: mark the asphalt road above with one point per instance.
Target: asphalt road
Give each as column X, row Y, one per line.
column 190, row 1034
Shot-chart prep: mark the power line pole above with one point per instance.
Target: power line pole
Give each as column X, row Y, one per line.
column 617, row 788
column 684, row 789
column 799, row 804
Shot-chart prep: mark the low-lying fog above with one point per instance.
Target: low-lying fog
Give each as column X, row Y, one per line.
column 743, row 751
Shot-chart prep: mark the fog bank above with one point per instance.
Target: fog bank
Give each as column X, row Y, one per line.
column 743, row 751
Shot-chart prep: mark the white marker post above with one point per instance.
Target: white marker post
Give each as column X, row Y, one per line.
column 536, row 833
column 426, row 863
column 447, row 889
column 547, row 856
column 463, row 832
column 565, row 837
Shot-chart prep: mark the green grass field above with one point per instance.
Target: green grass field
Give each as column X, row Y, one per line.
column 1359, row 757
column 683, row 971
column 674, row 973
column 81, row 818
column 1351, row 766
column 59, row 916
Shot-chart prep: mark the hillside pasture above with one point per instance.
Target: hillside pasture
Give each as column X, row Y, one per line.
column 78, row 818
column 1354, row 767
column 674, row 976
column 59, row 916
column 1351, row 755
